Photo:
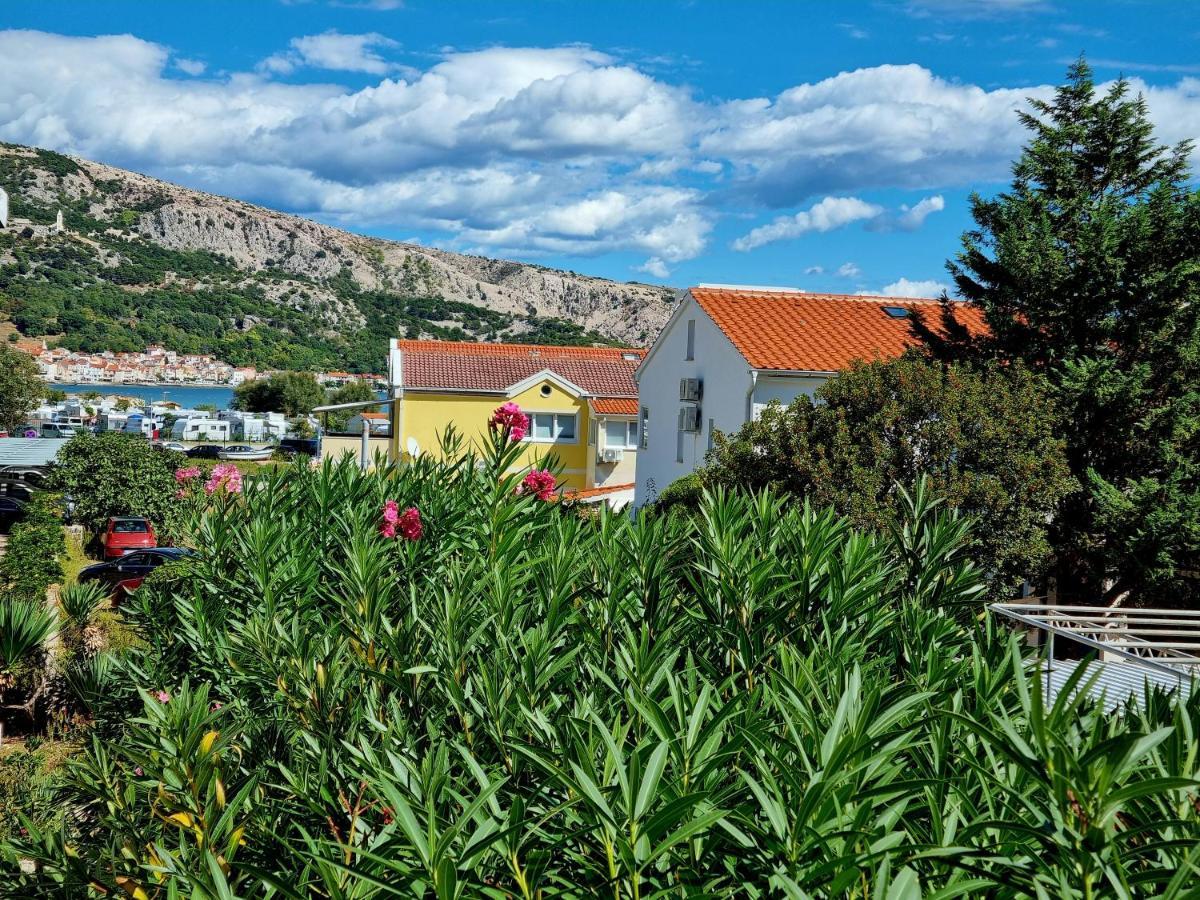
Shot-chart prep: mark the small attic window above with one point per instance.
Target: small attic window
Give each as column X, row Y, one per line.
column 632, row 357
column 545, row 390
column 896, row 312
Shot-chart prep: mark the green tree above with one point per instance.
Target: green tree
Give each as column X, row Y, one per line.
column 1088, row 268
column 292, row 393
column 21, row 388
column 114, row 474
column 354, row 392
column 986, row 439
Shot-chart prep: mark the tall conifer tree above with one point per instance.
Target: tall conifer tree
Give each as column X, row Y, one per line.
column 1088, row 269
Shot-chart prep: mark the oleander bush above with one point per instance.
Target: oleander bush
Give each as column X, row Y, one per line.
column 432, row 681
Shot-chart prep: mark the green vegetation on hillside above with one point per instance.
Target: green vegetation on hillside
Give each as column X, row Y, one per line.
column 102, row 287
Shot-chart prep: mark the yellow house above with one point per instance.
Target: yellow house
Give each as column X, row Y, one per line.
column 582, row 404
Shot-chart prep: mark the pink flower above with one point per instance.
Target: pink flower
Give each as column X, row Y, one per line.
column 407, row 524
column 139, row 771
column 162, row 696
column 187, row 474
column 224, row 477
column 215, row 705
column 540, row 483
column 180, row 494
column 509, row 419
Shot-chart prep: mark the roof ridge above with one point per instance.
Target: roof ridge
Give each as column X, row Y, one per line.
column 819, row 295
column 505, row 347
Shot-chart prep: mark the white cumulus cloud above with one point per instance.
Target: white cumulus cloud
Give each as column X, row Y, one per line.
column 906, row 288
column 828, row 214
column 526, row 149
column 336, row 51
column 849, row 270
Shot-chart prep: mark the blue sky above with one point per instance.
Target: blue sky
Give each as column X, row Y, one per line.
column 828, row 146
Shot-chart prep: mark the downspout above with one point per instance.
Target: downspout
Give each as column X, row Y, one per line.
column 750, row 396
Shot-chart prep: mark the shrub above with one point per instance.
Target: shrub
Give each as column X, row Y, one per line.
column 35, row 547
column 114, row 474
column 987, row 439
column 759, row 700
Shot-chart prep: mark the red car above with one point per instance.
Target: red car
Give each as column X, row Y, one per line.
column 124, row 534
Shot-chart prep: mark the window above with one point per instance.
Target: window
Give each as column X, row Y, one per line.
column 896, row 312
column 621, row 434
column 691, row 339
column 645, row 431
column 710, row 434
column 679, row 445
column 552, row 427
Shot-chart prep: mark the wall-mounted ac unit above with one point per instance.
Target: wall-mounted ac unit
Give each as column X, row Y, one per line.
column 690, row 390
column 612, row 454
column 689, row 419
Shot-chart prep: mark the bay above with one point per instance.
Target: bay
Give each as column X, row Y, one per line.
column 186, row 395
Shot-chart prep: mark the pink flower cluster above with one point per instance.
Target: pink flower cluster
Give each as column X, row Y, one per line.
column 405, row 524
column 187, row 473
column 540, row 483
column 509, row 418
column 162, row 696
column 225, row 477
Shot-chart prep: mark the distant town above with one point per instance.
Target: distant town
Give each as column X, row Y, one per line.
column 153, row 366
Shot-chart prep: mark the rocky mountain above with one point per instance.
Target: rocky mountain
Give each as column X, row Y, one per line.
column 134, row 250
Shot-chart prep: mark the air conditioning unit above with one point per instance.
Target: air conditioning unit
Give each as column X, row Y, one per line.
column 690, row 390
column 689, row 419
column 612, row 454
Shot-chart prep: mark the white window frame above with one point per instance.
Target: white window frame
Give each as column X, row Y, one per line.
column 555, row 416
column 630, row 424
column 643, row 429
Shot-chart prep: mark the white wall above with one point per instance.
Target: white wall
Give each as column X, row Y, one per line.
column 725, row 375
column 784, row 388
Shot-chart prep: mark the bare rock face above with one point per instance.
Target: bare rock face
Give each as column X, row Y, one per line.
column 255, row 238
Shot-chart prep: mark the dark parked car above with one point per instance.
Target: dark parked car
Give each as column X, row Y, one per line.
column 12, row 511
column 303, row 446
column 125, row 575
column 206, row 451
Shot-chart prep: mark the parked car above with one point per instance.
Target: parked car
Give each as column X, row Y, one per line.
column 124, row 534
column 12, row 511
column 58, row 430
column 206, row 451
column 125, row 575
column 173, row 445
column 305, row 446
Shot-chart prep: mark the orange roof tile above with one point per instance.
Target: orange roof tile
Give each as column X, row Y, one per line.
column 796, row 331
column 450, row 365
column 597, row 491
column 615, row 406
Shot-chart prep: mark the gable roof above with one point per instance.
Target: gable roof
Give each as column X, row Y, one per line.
column 495, row 368
column 788, row 330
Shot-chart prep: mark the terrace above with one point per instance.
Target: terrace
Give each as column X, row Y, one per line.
column 1136, row 649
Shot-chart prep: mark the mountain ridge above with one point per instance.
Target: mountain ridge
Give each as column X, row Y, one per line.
column 286, row 279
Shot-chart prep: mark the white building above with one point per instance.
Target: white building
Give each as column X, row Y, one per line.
column 200, row 429
column 379, row 423
column 727, row 351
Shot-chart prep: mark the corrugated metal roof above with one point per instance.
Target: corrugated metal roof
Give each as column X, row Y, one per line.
column 31, row 452
column 1115, row 682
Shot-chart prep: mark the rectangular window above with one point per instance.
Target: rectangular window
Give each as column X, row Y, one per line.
column 691, row 339
column 710, row 434
column 622, row 435
column 547, row 428
column 645, row 429
column 679, row 445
